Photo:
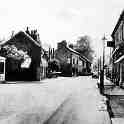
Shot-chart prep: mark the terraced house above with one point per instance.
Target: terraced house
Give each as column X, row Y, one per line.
column 118, row 51
column 72, row 62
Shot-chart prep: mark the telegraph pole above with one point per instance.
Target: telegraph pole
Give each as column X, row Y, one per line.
column 104, row 38
column 102, row 69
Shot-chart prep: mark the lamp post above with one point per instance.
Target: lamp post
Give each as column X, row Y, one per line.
column 102, row 69
column 104, row 39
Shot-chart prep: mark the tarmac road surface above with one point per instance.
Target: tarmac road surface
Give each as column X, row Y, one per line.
column 62, row 100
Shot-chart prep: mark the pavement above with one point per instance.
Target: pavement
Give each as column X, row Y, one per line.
column 117, row 120
column 111, row 89
column 62, row 100
column 116, row 101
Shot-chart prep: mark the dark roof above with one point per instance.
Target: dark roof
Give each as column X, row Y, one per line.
column 31, row 39
column 118, row 23
column 25, row 35
column 81, row 56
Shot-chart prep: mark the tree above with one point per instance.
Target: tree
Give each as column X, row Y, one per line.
column 10, row 51
column 83, row 46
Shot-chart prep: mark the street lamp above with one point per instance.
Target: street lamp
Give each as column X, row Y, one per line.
column 102, row 69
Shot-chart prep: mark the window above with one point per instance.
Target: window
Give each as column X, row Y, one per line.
column 77, row 61
column 1, row 67
column 123, row 31
column 120, row 32
column 116, row 36
column 83, row 63
column 73, row 61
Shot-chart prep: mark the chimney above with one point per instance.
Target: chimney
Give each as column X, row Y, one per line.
column 71, row 46
column 62, row 44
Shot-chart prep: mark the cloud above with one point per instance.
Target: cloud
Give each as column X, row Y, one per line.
column 67, row 14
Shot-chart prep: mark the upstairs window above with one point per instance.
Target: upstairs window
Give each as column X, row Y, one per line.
column 73, row 61
column 123, row 31
column 77, row 61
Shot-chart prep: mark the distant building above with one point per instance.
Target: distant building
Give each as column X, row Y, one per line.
column 118, row 51
column 77, row 64
column 43, row 65
column 23, row 57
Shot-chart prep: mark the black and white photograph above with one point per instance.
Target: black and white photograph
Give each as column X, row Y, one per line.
column 61, row 61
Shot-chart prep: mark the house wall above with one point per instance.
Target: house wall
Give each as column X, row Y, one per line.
column 119, row 34
column 81, row 66
column 118, row 38
column 43, row 68
column 75, row 59
column 13, row 70
column 63, row 55
column 66, row 56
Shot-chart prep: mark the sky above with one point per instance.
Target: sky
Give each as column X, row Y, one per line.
column 58, row 20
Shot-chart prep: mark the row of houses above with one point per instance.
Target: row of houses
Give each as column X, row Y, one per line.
column 117, row 57
column 75, row 62
column 27, row 60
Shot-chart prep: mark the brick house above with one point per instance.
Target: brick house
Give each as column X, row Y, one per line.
column 75, row 63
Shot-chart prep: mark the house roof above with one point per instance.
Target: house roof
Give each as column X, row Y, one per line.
column 25, row 35
column 120, row 59
column 81, row 56
column 118, row 23
column 31, row 38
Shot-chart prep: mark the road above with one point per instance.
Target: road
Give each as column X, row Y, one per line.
column 74, row 100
